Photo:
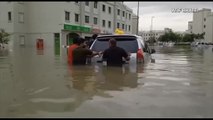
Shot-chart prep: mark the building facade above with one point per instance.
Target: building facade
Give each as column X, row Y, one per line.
column 189, row 31
column 123, row 17
column 209, row 28
column 53, row 22
column 146, row 35
column 202, row 23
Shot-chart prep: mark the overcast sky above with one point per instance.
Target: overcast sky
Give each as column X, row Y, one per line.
column 163, row 15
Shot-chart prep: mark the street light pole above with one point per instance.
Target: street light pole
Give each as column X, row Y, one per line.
column 151, row 37
column 151, row 25
column 152, row 22
column 81, row 17
column 138, row 18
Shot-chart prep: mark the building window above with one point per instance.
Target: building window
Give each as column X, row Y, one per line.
column 118, row 25
column 86, row 19
column 95, row 20
column 9, row 16
column 109, row 10
column 123, row 26
column 204, row 19
column 76, row 17
column 129, row 28
column 56, row 35
column 95, row 4
column 21, row 17
column 103, row 23
column 76, row 2
column 129, row 16
column 87, row 3
column 204, row 26
column 126, row 27
column 123, row 13
column 109, row 24
column 103, row 8
column 21, row 40
column 126, row 15
column 67, row 15
column 118, row 11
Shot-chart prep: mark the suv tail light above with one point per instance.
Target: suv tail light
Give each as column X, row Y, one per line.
column 140, row 56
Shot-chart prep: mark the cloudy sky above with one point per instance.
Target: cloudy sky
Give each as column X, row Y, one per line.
column 164, row 15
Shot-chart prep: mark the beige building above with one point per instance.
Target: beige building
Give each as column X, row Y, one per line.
column 209, row 28
column 202, row 23
column 146, row 35
column 189, row 31
column 54, row 21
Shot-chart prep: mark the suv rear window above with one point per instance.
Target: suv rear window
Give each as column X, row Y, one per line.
column 128, row 43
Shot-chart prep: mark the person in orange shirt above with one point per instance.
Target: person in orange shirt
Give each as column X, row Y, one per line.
column 71, row 48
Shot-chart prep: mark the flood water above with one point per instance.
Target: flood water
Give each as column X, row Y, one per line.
column 40, row 84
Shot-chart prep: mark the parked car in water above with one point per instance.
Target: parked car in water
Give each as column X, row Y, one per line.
column 132, row 44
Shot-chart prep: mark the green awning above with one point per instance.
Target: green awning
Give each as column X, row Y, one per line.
column 77, row 28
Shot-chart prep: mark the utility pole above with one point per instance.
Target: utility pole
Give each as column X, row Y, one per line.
column 151, row 37
column 151, row 23
column 115, row 13
column 138, row 18
column 81, row 16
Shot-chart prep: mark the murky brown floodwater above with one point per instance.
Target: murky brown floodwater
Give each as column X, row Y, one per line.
column 40, row 84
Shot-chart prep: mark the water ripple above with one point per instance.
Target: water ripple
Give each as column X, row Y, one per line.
column 51, row 100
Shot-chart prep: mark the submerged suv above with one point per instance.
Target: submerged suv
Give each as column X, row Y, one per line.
column 132, row 44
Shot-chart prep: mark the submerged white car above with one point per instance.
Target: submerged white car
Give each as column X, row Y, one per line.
column 132, row 44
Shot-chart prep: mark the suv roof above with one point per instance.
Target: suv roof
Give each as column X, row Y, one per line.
column 130, row 44
column 115, row 35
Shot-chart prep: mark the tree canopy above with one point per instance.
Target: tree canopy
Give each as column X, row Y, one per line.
column 175, row 37
column 170, row 37
column 4, row 37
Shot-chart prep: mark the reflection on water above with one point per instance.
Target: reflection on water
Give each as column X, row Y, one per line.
column 3, row 52
column 39, row 83
column 94, row 82
column 116, row 78
column 40, row 52
column 82, row 78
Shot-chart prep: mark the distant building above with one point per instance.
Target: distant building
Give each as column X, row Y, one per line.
column 167, row 29
column 209, row 28
column 146, row 35
column 202, row 23
column 189, row 31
